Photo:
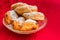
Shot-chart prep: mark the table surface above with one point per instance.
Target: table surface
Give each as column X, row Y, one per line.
column 51, row 9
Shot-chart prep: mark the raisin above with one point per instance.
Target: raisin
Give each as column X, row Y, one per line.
column 6, row 15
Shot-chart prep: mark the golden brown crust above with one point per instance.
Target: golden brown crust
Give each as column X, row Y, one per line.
column 7, row 18
column 15, row 5
column 22, row 9
column 33, row 8
column 34, row 16
column 16, row 25
column 28, row 26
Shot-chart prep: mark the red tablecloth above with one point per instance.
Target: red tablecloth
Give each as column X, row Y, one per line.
column 51, row 8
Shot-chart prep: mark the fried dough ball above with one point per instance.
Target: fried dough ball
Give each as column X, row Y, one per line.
column 10, row 15
column 17, row 24
column 29, row 25
column 15, row 5
column 34, row 15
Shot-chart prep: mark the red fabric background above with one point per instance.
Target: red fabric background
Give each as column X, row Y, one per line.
column 51, row 8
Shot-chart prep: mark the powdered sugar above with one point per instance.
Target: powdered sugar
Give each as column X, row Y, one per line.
column 30, row 20
column 13, row 14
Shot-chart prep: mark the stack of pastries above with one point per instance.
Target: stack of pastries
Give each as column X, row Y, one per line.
column 23, row 17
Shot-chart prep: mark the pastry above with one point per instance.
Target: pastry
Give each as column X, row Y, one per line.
column 13, row 6
column 29, row 25
column 25, row 9
column 17, row 23
column 9, row 16
column 22, row 9
column 34, row 15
